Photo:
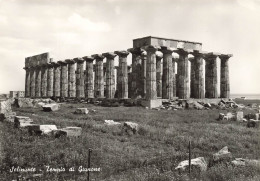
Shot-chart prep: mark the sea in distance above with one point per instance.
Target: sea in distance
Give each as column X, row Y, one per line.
column 247, row 96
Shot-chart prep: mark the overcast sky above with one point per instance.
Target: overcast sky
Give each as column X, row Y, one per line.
column 75, row 28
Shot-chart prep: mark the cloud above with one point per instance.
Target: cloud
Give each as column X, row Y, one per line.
column 79, row 22
column 248, row 4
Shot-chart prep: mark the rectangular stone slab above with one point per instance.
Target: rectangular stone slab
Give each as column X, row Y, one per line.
column 50, row 107
column 22, row 121
column 72, row 131
column 173, row 43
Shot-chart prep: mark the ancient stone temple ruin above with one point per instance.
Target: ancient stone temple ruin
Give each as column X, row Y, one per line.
column 154, row 73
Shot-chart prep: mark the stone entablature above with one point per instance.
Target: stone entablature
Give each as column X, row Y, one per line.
column 172, row 43
column 151, row 75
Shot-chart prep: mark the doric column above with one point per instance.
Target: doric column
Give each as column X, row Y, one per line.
column 224, row 76
column 71, row 78
column 167, row 75
column 211, row 76
column 44, row 73
column 116, row 81
column 151, row 93
column 99, row 81
column 173, row 77
column 159, row 74
column 80, row 78
column 183, row 74
column 199, row 85
column 27, row 81
column 50, row 80
column 57, row 79
column 110, row 74
column 136, row 72
column 129, row 72
column 143, row 78
column 38, row 81
column 63, row 79
column 192, row 77
column 32, row 81
column 89, row 83
column 122, row 82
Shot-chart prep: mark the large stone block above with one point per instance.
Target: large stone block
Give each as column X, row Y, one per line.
column 131, row 127
column 24, row 102
column 8, row 116
column 51, row 107
column 81, row 111
column 222, row 155
column 22, row 121
column 198, row 163
column 239, row 116
column 42, row 129
column 5, row 107
column 151, row 103
column 68, row 131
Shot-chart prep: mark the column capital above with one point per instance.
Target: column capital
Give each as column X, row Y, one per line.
column 198, row 53
column 88, row 58
column 78, row 60
column 62, row 62
column 211, row 55
column 55, row 64
column 50, row 65
column 136, row 51
column 70, row 61
column 110, row 55
column 151, row 48
column 182, row 51
column 98, row 56
column 122, row 53
column 225, row 56
column 159, row 55
column 166, row 50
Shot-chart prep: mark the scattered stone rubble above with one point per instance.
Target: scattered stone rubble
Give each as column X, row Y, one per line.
column 130, row 127
column 51, row 107
column 222, row 155
column 111, row 122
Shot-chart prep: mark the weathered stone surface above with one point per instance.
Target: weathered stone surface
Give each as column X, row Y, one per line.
column 151, row 92
column 81, row 111
column 167, row 75
column 110, row 75
column 211, row 76
column 51, row 107
column 245, row 162
column 198, row 75
column 89, row 81
column 42, row 129
column 194, row 104
column 22, row 121
column 159, row 74
column 122, row 82
column 32, row 81
column 111, row 122
column 70, row 131
column 27, row 82
column 63, row 79
column 239, row 116
column 99, row 76
column 8, row 116
column 207, row 105
column 50, row 80
column 57, row 79
column 224, row 76
column 183, row 75
column 222, row 155
column 230, row 116
column 198, row 163
column 71, row 78
column 44, row 81
column 38, row 80
column 131, row 127
column 80, row 78
column 192, row 77
column 24, row 102
column 5, row 106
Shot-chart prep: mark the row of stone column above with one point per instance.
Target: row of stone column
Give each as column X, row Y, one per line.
column 63, row 79
column 169, row 84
